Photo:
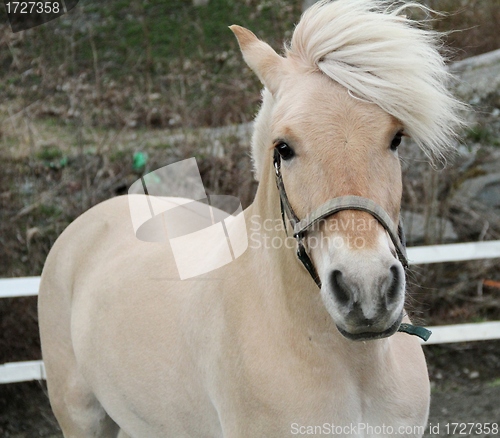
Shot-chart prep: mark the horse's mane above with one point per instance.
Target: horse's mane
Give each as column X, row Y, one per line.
column 381, row 56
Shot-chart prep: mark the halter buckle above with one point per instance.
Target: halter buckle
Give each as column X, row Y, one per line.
column 277, row 163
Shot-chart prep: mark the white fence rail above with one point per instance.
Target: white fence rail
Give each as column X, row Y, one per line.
column 454, row 252
column 19, row 287
column 22, row 371
column 28, row 286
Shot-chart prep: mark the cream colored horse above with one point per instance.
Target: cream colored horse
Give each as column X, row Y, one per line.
column 253, row 349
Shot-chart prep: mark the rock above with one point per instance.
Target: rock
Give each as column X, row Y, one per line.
column 485, row 189
column 476, row 205
column 307, row 4
column 483, row 192
column 473, row 374
column 479, row 77
column 419, row 229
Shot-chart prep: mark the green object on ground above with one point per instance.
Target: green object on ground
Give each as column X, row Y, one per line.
column 139, row 161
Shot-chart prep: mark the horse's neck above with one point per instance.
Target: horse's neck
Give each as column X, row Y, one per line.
column 286, row 276
column 267, row 221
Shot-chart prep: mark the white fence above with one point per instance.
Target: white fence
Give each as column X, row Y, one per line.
column 28, row 286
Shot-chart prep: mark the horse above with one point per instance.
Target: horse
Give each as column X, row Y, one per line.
column 299, row 334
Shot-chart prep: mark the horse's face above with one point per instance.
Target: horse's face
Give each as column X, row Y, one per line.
column 333, row 144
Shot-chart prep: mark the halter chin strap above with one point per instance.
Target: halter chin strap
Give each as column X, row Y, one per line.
column 300, row 227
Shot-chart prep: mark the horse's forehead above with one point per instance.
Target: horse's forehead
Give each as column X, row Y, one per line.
column 313, row 100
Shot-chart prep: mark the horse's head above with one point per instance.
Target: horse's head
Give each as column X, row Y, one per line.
column 354, row 81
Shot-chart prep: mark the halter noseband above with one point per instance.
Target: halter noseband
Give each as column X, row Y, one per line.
column 332, row 206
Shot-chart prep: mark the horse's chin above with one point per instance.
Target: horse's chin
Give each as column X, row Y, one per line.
column 370, row 336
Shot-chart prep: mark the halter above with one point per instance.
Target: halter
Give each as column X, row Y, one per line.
column 330, row 207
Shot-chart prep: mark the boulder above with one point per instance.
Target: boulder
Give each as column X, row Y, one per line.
column 420, row 230
column 479, row 78
column 307, row 4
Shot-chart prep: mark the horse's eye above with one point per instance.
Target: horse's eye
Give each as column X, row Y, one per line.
column 396, row 141
column 285, row 151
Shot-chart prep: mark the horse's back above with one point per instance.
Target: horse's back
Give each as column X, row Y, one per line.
column 113, row 319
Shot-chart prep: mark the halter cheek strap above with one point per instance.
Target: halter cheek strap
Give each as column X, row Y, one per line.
column 334, row 205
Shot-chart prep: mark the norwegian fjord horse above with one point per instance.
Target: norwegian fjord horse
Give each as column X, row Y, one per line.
column 256, row 348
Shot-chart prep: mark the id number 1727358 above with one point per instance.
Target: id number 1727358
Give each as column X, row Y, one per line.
column 33, row 7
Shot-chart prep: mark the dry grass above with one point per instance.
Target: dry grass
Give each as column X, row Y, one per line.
column 128, row 71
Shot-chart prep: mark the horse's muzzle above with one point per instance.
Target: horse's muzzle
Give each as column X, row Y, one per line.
column 368, row 303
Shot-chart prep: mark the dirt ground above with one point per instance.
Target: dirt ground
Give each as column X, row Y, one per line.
column 465, row 382
column 477, row 404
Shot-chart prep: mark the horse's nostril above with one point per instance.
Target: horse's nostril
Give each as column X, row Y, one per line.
column 394, row 288
column 339, row 288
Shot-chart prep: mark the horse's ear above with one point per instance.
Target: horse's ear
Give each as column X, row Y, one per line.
column 261, row 58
